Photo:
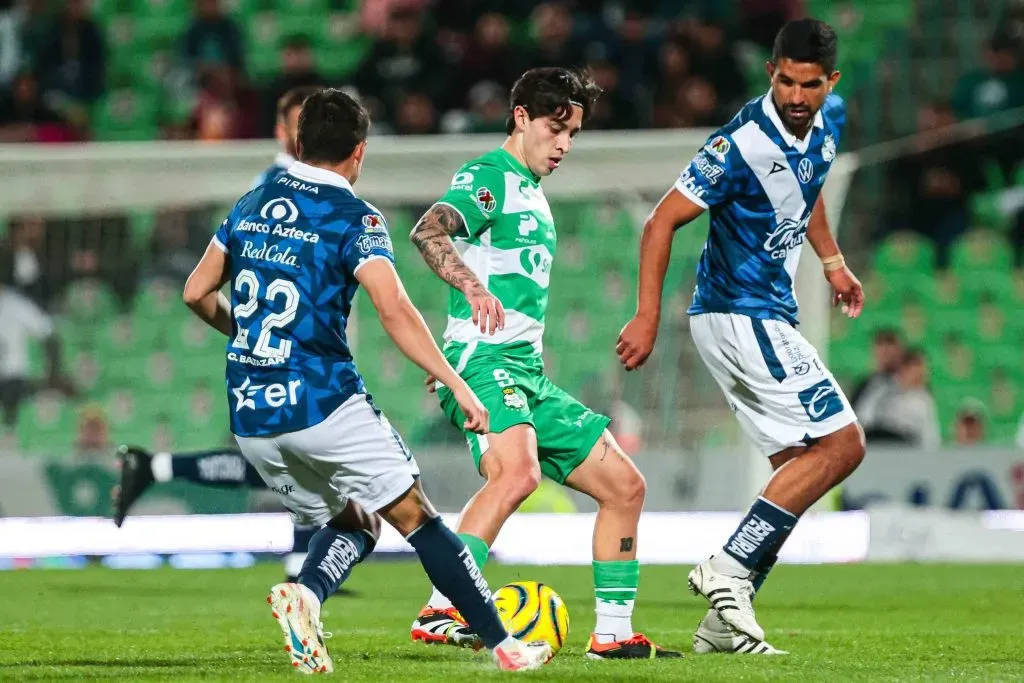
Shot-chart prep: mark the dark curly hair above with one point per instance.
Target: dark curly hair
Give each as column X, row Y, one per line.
column 551, row 91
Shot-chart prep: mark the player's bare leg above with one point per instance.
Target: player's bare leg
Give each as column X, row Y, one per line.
column 802, row 476
column 609, row 477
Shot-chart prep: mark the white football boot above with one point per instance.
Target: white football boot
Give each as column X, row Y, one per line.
column 729, row 596
column 297, row 611
column 515, row 655
column 714, row 635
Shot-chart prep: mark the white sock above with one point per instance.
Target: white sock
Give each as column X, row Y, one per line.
column 163, row 472
column 614, row 622
column 724, row 563
column 438, row 600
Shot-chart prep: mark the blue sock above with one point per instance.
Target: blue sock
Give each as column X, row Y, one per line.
column 301, row 538
column 760, row 533
column 219, row 467
column 330, row 559
column 768, row 560
column 451, row 568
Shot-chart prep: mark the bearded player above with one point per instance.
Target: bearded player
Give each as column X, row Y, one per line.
column 492, row 239
column 761, row 177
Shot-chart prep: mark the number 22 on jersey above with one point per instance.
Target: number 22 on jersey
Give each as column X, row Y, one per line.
column 247, row 285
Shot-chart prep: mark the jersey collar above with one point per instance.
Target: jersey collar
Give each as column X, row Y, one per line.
column 518, row 167
column 322, row 176
column 768, row 106
column 283, row 160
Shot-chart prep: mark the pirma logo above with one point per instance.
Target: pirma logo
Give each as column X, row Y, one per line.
column 280, row 209
column 821, row 401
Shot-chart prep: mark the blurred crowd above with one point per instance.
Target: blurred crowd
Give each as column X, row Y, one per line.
column 431, row 65
column 934, row 190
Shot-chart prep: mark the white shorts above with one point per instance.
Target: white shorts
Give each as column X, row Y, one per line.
column 354, row 453
column 773, row 379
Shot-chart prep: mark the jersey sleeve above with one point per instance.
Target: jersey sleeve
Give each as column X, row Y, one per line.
column 477, row 193
column 710, row 177
column 220, row 238
column 366, row 239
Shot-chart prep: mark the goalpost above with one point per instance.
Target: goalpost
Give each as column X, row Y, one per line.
column 625, row 171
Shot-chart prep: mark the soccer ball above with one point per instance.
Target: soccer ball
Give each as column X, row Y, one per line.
column 532, row 611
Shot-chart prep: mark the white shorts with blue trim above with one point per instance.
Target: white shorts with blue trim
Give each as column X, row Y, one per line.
column 773, row 379
column 353, row 454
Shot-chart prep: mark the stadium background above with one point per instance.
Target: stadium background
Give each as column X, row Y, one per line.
column 932, row 222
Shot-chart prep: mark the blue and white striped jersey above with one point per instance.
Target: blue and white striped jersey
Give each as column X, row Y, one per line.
column 294, row 246
column 760, row 183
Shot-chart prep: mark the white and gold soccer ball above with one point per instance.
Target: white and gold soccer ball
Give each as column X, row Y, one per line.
column 533, row 611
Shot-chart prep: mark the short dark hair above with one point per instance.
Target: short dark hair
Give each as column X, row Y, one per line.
column 913, row 354
column 551, row 91
column 294, row 98
column 807, row 40
column 331, row 126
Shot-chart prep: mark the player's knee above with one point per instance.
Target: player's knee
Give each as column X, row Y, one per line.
column 852, row 448
column 630, row 488
column 518, row 483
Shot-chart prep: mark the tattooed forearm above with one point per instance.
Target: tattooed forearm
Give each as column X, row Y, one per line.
column 432, row 235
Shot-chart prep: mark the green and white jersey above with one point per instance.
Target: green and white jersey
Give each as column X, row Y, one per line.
column 510, row 245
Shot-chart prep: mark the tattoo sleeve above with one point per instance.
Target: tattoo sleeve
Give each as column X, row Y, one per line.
column 432, row 235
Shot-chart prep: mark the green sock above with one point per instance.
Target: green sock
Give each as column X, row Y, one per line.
column 615, row 585
column 477, row 547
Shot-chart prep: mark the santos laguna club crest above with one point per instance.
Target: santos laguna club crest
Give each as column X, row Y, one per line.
column 828, row 148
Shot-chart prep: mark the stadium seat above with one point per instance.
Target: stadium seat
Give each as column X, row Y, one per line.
column 905, row 251
column 46, row 426
column 158, row 299
column 980, row 253
column 87, row 301
column 125, row 115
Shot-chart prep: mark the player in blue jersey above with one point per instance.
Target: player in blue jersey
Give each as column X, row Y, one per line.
column 285, row 130
column 223, row 467
column 295, row 251
column 761, row 177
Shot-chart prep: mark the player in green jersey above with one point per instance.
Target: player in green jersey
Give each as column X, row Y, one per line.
column 491, row 237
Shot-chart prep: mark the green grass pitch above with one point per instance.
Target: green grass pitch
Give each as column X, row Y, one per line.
column 848, row 623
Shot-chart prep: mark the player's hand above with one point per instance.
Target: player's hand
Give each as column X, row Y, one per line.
column 488, row 312
column 636, row 341
column 431, row 383
column 846, row 291
column 478, row 420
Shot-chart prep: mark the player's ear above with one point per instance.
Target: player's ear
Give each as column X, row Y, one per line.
column 770, row 68
column 833, row 79
column 359, row 152
column 521, row 117
column 298, row 148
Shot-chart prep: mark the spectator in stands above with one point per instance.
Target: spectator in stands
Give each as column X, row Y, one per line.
column 909, row 412
column 10, row 43
column 490, row 55
column 996, row 86
column 488, row 109
column 25, row 117
column 211, row 38
column 405, row 59
column 73, row 61
column 226, row 108
column 416, row 115
column 614, row 110
column 969, row 429
column 24, row 323
column 93, row 437
column 1017, row 237
column 931, row 188
column 177, row 243
column 887, row 355
column 298, row 68
column 554, row 43
column 713, row 60
column 760, row 20
column 23, row 260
